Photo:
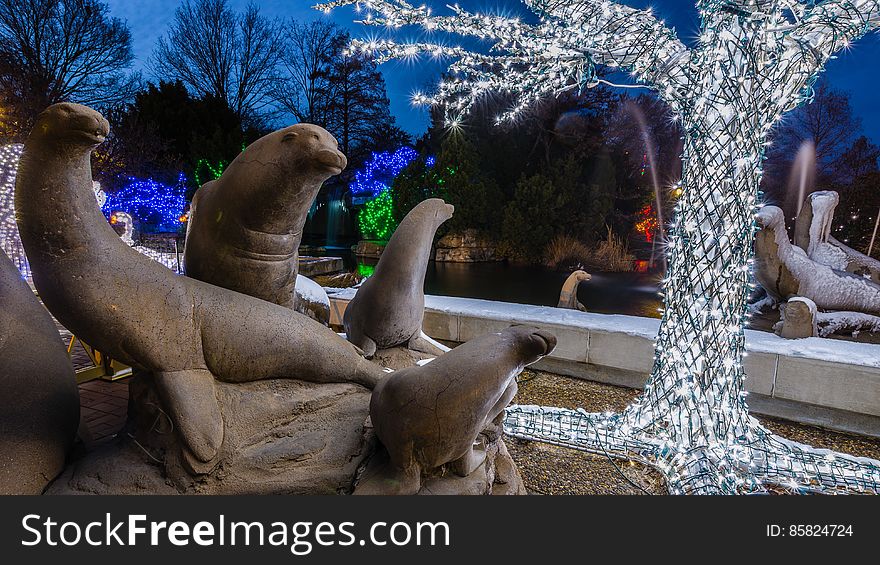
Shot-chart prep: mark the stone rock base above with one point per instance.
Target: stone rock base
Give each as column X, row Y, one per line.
column 497, row 475
column 366, row 248
column 282, row 437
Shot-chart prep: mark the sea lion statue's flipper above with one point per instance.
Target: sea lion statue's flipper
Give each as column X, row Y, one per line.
column 424, row 344
column 397, row 474
column 468, row 463
column 366, row 346
column 192, row 402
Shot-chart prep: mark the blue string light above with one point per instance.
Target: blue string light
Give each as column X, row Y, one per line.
column 378, row 173
column 156, row 205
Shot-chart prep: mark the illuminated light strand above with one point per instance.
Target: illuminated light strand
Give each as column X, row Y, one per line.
column 380, row 170
column 372, row 186
column 150, row 202
column 376, row 219
column 10, row 241
column 214, row 170
column 752, row 63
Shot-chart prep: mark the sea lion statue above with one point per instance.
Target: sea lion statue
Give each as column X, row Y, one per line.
column 798, row 319
column 812, row 233
column 568, row 295
column 246, row 226
column 39, row 401
column 785, row 270
column 430, row 416
column 186, row 332
column 388, row 308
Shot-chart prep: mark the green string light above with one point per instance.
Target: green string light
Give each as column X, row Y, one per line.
column 376, row 219
column 214, row 170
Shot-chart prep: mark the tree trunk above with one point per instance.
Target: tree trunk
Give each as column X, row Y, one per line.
column 694, row 395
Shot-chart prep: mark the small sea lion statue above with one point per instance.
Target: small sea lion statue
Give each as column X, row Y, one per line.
column 430, row 416
column 388, row 308
column 568, row 296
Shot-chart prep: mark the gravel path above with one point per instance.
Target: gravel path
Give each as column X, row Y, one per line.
column 548, row 469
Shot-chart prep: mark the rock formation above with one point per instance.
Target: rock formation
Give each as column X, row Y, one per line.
column 798, row 319
column 312, row 300
column 465, row 247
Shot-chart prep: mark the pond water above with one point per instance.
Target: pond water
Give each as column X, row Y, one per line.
column 635, row 294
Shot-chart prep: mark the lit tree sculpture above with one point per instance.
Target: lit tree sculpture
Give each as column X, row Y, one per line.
column 755, row 60
column 10, row 242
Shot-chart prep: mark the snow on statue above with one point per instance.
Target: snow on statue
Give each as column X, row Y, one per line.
column 754, row 61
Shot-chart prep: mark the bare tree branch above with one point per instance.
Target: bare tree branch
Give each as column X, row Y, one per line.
column 61, row 50
column 213, row 50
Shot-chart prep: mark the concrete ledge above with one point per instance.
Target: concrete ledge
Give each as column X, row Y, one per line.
column 825, row 382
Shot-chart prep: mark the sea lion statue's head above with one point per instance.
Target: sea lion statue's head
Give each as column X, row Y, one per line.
column 433, row 210
column 533, row 343
column 313, row 149
column 70, row 124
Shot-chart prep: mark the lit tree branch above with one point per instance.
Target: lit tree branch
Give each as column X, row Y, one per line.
column 533, row 61
column 827, row 28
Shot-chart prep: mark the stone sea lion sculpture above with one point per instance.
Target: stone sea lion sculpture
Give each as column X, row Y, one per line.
column 785, row 270
column 812, row 233
column 39, row 401
column 245, row 227
column 186, row 332
column 799, row 319
column 431, row 415
column 388, row 308
column 568, row 294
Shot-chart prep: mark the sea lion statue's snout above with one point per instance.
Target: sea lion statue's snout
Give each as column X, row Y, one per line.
column 73, row 122
column 449, row 209
column 537, row 342
column 334, row 160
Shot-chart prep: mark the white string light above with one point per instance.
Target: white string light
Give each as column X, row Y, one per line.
column 10, row 241
column 755, row 60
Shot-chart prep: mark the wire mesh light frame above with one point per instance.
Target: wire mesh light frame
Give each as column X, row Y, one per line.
column 754, row 61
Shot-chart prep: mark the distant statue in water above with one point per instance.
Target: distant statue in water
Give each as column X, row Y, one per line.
column 568, row 296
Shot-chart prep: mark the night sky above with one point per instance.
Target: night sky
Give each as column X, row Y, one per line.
column 856, row 71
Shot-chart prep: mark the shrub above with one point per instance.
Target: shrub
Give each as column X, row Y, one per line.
column 565, row 252
column 612, row 255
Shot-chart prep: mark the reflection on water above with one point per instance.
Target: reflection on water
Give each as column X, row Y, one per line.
column 607, row 293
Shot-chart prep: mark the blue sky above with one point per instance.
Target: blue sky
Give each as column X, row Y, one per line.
column 856, row 71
